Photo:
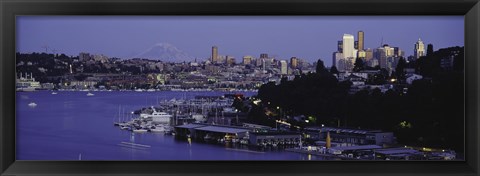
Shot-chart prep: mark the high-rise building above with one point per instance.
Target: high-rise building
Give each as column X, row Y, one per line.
column 368, row 54
column 294, row 62
column 338, row 61
column 283, row 67
column 361, row 54
column 348, row 46
column 361, row 40
column 398, row 52
column 389, row 51
column 340, row 46
column 214, row 54
column 263, row 56
column 247, row 60
column 419, row 49
column 381, row 56
column 230, row 60
column 84, row 56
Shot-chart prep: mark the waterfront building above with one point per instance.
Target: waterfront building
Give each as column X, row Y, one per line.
column 83, row 84
column 27, row 83
column 351, row 136
column 214, row 54
column 271, row 138
column 419, row 49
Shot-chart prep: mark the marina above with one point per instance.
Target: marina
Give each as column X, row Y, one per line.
column 74, row 124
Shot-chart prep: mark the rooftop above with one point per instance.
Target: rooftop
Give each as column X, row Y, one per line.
column 222, row 129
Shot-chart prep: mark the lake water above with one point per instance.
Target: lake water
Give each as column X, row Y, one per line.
column 71, row 125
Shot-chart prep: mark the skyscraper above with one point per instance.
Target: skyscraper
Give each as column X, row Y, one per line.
column 348, row 45
column 419, row 49
column 349, row 51
column 263, row 56
column 283, row 67
column 360, row 40
column 294, row 62
column 214, row 54
column 247, row 60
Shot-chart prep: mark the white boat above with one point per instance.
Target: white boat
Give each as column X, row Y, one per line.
column 157, row 130
column 90, row 94
column 140, row 131
column 158, row 117
column 27, row 84
column 54, row 93
column 151, row 90
column 32, row 104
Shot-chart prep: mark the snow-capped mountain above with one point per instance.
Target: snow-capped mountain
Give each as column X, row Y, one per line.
column 165, row 52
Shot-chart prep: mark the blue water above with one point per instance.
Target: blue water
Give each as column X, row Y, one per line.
column 71, row 125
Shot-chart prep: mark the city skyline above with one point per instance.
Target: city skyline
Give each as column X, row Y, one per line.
column 309, row 37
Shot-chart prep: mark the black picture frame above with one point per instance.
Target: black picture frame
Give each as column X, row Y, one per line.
column 9, row 9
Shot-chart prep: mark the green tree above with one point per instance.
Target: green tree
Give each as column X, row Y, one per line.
column 359, row 65
column 400, row 74
column 334, row 70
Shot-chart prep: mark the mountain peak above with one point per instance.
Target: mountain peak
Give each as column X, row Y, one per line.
column 165, row 52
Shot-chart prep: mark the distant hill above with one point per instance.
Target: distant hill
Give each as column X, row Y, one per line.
column 165, row 52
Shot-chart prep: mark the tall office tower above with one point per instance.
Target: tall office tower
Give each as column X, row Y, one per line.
column 348, row 45
column 263, row 56
column 214, row 54
column 368, row 54
column 389, row 51
column 361, row 40
column 283, row 67
column 340, row 46
column 247, row 60
column 381, row 56
column 259, row 62
column 349, row 51
column 397, row 51
column 419, row 49
column 338, row 61
column 294, row 62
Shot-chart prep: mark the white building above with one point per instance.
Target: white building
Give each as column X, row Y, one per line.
column 349, row 51
column 419, row 49
column 413, row 77
column 283, row 67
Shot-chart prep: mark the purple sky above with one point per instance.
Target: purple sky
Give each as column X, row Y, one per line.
column 308, row 37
